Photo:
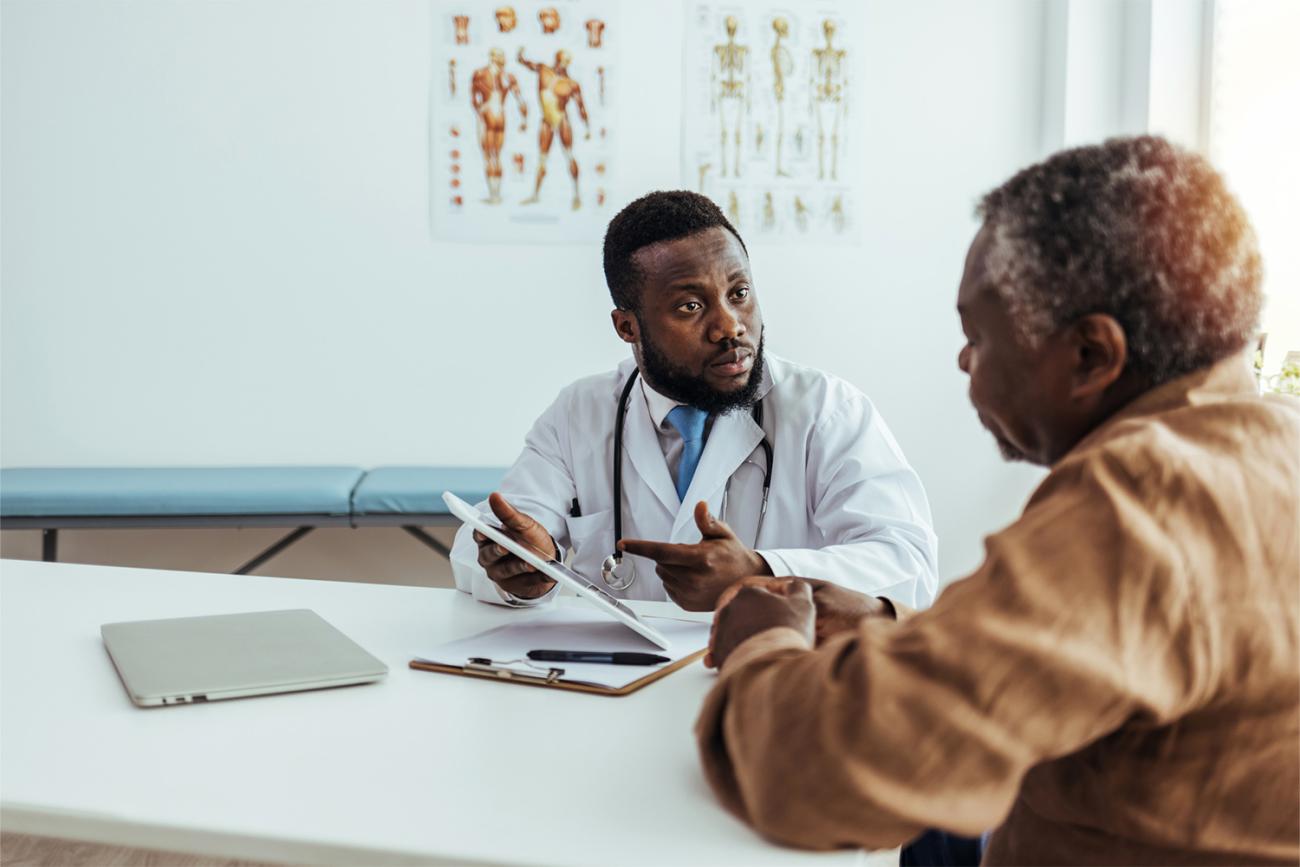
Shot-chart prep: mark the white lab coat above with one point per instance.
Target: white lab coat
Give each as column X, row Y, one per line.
column 844, row 505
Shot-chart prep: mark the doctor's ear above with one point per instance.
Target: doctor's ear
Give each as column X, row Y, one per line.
column 626, row 326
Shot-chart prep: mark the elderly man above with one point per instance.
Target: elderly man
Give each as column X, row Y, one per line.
column 1119, row 682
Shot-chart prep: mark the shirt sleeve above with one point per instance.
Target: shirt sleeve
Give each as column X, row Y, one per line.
column 539, row 484
column 871, row 510
column 1075, row 624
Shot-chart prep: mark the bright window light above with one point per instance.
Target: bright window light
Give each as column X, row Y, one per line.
column 1254, row 138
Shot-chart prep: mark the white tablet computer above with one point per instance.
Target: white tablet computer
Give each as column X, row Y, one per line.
column 489, row 526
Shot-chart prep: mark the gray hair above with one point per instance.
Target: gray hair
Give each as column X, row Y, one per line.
column 1136, row 228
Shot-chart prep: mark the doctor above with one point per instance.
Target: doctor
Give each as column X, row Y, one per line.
column 655, row 477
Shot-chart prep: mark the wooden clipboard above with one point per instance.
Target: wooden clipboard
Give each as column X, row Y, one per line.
column 506, row 675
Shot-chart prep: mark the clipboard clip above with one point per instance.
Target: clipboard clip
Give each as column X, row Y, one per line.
column 483, row 665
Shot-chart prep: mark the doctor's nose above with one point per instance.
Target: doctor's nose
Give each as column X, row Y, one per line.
column 726, row 326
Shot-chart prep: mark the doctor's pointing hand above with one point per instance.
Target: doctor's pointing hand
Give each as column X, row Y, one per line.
column 694, row 576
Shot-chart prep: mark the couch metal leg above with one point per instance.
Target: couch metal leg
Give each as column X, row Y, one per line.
column 50, row 545
column 433, row 543
column 273, row 550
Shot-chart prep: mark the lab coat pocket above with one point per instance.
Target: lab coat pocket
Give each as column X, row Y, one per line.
column 591, row 539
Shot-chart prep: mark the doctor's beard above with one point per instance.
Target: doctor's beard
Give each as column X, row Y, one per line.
column 678, row 383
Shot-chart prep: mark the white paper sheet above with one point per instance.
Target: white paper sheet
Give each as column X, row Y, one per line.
column 573, row 629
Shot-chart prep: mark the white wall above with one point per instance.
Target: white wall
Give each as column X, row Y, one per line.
column 216, row 247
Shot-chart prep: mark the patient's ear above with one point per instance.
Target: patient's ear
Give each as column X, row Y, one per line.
column 626, row 326
column 1101, row 353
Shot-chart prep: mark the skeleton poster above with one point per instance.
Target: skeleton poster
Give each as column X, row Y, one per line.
column 520, row 146
column 769, row 130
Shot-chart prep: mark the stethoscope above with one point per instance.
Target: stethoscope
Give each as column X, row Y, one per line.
column 619, row 575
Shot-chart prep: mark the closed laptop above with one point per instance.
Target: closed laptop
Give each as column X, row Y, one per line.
column 195, row 659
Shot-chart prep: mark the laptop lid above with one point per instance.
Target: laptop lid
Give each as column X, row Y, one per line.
column 192, row 659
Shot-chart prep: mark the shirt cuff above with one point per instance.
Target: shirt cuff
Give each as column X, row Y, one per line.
column 519, row 602
column 774, row 563
column 763, row 643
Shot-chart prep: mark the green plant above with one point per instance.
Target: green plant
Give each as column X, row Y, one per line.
column 1286, row 381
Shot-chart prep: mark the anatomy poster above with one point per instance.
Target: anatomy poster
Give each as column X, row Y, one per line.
column 769, row 127
column 520, row 146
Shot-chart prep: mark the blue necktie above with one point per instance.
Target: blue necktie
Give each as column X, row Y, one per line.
column 689, row 422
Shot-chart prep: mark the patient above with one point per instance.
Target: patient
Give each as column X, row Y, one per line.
column 1119, row 682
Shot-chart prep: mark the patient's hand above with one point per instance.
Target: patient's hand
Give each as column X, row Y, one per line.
column 509, row 572
column 840, row 609
column 756, row 604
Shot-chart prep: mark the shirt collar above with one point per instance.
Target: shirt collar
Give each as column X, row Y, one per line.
column 658, row 404
column 1225, row 380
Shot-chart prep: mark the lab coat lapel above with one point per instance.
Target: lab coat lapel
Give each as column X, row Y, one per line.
column 643, row 449
column 733, row 437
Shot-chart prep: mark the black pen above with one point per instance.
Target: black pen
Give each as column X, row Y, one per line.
column 600, row 656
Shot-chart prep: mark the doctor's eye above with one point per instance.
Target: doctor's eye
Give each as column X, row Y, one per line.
column 740, row 293
column 690, row 307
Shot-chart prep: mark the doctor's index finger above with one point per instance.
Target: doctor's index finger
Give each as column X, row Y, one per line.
column 661, row 552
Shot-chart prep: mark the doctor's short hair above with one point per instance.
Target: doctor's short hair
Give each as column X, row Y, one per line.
column 1136, row 228
column 665, row 215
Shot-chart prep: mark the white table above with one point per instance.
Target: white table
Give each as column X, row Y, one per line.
column 420, row 768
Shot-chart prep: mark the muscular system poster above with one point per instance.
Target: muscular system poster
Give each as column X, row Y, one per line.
column 769, row 125
column 520, row 143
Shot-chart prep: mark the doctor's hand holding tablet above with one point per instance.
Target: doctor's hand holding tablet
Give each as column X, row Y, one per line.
column 509, row 572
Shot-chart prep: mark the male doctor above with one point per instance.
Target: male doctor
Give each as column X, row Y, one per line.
column 660, row 469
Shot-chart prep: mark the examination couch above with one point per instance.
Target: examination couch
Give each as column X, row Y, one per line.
column 297, row 498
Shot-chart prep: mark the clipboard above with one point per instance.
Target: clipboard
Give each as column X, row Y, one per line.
column 501, row 653
column 486, row 670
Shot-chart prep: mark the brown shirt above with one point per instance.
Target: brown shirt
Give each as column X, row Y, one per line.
column 1118, row 683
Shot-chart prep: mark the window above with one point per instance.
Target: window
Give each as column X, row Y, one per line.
column 1254, row 138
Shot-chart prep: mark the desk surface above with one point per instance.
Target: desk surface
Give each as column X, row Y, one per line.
column 420, row 768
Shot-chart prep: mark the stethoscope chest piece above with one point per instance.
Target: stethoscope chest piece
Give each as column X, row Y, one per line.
column 618, row 572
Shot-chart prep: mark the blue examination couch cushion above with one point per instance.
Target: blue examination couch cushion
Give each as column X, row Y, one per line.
column 161, row 491
column 418, row 490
